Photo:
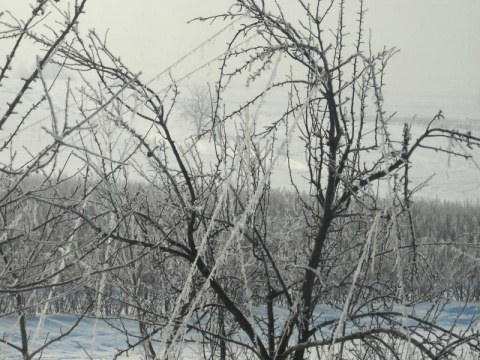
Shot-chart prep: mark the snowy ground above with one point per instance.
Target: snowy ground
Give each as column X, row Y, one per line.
column 94, row 339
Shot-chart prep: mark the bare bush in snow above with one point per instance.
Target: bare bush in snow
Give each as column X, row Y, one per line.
column 185, row 235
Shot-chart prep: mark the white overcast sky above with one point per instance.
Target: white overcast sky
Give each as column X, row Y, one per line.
column 439, row 40
column 437, row 67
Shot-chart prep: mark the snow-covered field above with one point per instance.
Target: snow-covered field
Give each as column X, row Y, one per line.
column 95, row 339
column 92, row 339
column 449, row 177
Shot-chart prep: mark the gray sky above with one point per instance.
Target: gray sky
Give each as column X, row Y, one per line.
column 437, row 67
column 439, row 42
column 438, row 39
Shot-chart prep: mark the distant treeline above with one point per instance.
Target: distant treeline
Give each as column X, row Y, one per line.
column 444, row 248
column 447, row 220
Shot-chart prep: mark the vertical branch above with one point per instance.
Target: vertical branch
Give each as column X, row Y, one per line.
column 407, row 200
